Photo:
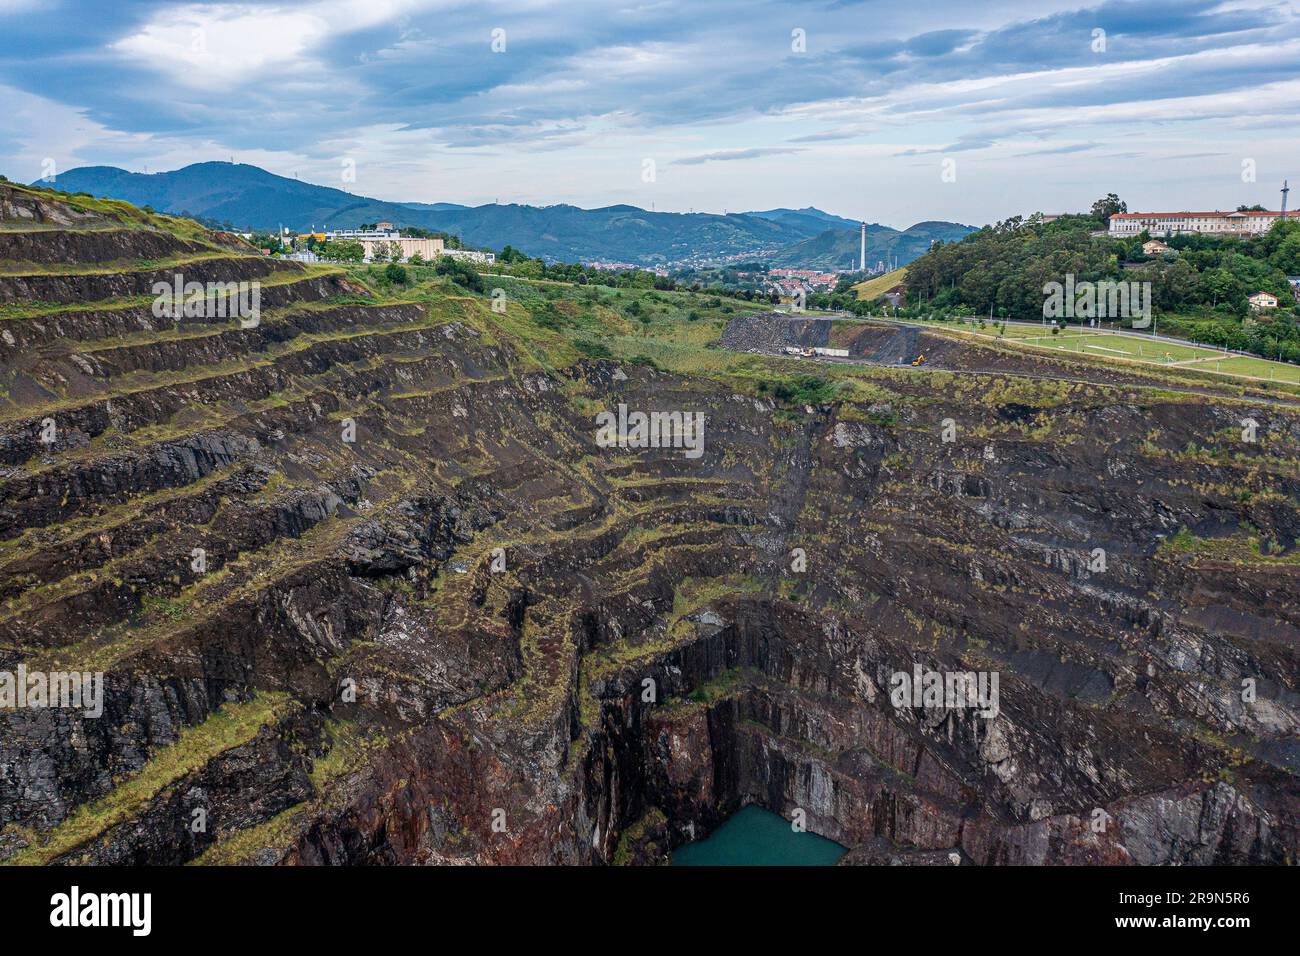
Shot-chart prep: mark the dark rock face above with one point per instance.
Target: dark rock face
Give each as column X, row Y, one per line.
column 99, row 324
column 772, row 332
column 469, row 634
column 97, row 286
column 58, row 246
column 879, row 851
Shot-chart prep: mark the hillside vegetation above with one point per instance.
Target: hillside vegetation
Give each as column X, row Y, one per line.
column 874, row 288
column 1199, row 288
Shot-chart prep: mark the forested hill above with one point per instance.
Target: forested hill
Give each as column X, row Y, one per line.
column 240, row 196
column 839, row 248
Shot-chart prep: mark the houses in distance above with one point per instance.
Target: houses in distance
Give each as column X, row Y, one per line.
column 791, row 282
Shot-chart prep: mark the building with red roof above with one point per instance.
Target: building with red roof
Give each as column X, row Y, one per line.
column 1246, row 222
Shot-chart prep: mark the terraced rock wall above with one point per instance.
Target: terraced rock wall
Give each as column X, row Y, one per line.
column 364, row 588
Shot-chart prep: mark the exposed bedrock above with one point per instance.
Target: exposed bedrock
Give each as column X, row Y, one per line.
column 363, row 587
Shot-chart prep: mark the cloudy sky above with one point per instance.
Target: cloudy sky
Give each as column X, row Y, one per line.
column 894, row 112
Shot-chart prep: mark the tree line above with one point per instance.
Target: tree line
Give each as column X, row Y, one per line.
column 1200, row 285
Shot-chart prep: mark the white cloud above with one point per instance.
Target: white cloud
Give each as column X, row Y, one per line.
column 586, row 93
column 34, row 129
column 226, row 45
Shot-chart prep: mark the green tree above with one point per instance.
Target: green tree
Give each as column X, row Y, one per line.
column 460, row 273
column 1219, row 286
column 1287, row 256
column 344, row 251
column 1107, row 206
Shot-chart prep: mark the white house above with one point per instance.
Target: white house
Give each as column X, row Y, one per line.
column 1263, row 300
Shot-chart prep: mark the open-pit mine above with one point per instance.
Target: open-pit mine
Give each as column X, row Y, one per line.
column 359, row 583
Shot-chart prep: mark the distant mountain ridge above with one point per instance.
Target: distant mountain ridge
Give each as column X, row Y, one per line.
column 838, row 249
column 250, row 197
column 808, row 217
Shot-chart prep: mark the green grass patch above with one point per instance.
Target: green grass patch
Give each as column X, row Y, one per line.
column 233, row 725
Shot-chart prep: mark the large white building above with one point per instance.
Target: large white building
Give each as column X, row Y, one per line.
column 403, row 246
column 385, row 241
column 1126, row 225
column 356, row 235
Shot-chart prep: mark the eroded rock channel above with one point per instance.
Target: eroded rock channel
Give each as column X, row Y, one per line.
column 473, row 635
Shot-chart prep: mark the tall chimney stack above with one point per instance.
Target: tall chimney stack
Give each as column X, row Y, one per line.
column 862, row 254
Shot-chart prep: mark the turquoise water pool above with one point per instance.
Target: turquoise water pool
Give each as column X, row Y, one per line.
column 757, row 837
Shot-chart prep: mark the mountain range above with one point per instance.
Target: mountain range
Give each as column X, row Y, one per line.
column 248, row 197
column 837, row 249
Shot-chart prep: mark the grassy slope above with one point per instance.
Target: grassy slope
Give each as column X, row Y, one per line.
column 880, row 284
column 116, row 213
column 557, row 324
column 233, row 725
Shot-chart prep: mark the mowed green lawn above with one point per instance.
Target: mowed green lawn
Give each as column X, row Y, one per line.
column 1260, row 368
column 1120, row 346
column 1106, row 344
column 1032, row 332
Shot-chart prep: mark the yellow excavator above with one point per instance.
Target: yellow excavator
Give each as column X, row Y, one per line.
column 919, row 360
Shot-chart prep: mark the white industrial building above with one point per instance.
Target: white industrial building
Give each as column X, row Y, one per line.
column 384, row 241
column 1126, row 225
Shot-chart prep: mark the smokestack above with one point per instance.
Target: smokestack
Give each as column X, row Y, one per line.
column 862, row 254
